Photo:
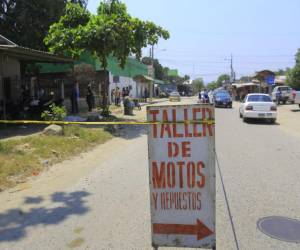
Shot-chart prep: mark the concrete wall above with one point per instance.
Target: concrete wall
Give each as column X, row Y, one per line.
column 123, row 83
column 137, row 87
column 10, row 67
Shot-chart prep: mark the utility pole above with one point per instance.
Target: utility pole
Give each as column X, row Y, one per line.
column 153, row 74
column 232, row 76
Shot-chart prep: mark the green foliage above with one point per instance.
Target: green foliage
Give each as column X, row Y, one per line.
column 293, row 75
column 223, row 78
column 212, row 86
column 159, row 72
column 22, row 157
column 112, row 31
column 197, row 85
column 27, row 22
column 55, row 113
column 105, row 112
column 67, row 34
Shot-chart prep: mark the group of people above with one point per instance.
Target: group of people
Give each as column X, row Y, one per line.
column 117, row 94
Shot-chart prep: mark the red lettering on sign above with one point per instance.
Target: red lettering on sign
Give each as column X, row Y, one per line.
column 154, row 114
column 210, row 117
column 180, row 165
column 179, row 201
column 195, row 125
column 175, row 134
column 173, row 149
column 154, row 196
column 187, row 133
column 158, row 177
column 201, row 182
column 186, row 149
column 165, row 127
column 191, row 174
column 171, row 175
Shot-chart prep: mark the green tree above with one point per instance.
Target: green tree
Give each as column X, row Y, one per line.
column 223, row 78
column 27, row 22
column 159, row 72
column 212, row 85
column 293, row 75
column 112, row 31
column 197, row 85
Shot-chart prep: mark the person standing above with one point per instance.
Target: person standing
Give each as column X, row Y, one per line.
column 117, row 96
column 278, row 96
column 112, row 95
column 74, row 98
column 89, row 97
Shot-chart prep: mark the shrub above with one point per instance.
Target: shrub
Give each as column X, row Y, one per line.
column 55, row 113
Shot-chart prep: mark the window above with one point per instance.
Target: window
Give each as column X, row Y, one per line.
column 259, row 98
column 116, row 79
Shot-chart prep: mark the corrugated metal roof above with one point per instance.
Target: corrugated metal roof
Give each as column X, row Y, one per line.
column 27, row 54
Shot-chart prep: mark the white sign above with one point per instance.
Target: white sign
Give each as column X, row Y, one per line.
column 182, row 175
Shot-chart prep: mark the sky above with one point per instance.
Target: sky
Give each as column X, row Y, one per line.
column 260, row 34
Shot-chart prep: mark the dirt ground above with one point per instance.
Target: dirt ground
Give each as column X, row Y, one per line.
column 289, row 119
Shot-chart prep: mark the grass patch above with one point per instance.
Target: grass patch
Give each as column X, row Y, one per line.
column 28, row 156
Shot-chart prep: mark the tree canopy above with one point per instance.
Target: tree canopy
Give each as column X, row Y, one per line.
column 197, row 85
column 159, row 72
column 293, row 75
column 212, row 85
column 222, row 78
column 27, row 22
column 112, row 31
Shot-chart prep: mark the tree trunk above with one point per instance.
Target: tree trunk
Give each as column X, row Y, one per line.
column 104, row 81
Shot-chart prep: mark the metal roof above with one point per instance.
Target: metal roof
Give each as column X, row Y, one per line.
column 31, row 55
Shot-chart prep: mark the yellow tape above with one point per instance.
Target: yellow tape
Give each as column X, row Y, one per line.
column 208, row 122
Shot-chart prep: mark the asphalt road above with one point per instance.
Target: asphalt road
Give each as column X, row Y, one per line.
column 100, row 200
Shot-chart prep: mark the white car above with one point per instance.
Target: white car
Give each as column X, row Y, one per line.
column 258, row 106
column 174, row 97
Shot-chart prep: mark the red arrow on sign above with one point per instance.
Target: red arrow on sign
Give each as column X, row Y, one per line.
column 199, row 229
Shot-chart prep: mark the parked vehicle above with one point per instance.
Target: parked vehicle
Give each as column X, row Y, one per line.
column 282, row 94
column 259, row 106
column 297, row 98
column 174, row 97
column 203, row 97
column 222, row 99
column 211, row 96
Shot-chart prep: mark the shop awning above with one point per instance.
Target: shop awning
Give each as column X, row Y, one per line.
column 144, row 78
column 31, row 55
column 242, row 85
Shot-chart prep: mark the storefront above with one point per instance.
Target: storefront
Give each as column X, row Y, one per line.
column 16, row 82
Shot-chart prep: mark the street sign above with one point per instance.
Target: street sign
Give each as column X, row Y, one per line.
column 181, row 144
column 270, row 80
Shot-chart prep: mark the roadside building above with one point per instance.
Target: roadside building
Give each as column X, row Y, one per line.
column 89, row 71
column 19, row 76
column 266, row 81
column 280, row 80
column 240, row 90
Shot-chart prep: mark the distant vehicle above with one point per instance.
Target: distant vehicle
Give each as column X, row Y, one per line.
column 222, row 99
column 211, row 96
column 286, row 94
column 203, row 97
column 258, row 106
column 174, row 97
